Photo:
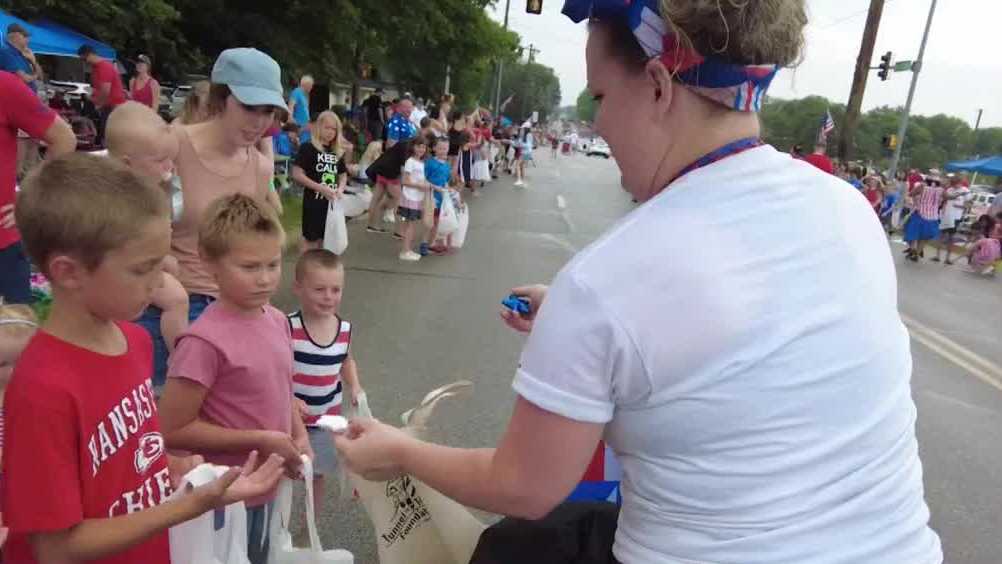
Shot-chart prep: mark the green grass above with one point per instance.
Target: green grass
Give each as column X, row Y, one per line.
column 292, row 216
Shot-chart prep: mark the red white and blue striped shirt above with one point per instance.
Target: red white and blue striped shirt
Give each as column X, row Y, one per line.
column 316, row 368
column 929, row 201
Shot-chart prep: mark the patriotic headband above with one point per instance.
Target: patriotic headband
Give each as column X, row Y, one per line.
column 739, row 87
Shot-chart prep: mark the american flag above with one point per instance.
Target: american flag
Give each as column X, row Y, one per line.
column 827, row 125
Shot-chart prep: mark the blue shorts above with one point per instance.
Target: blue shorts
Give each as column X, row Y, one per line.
column 15, row 275
column 150, row 320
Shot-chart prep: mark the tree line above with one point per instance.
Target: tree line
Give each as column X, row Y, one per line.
column 416, row 42
column 931, row 141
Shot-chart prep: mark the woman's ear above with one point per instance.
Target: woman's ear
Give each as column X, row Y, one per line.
column 660, row 79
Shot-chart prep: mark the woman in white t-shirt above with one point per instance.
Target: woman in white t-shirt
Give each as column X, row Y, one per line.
column 752, row 375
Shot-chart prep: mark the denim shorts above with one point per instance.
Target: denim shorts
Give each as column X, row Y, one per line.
column 324, row 453
column 150, row 320
column 15, row 275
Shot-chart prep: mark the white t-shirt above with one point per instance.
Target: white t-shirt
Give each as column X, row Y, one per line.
column 739, row 337
column 953, row 210
column 415, row 168
column 417, row 115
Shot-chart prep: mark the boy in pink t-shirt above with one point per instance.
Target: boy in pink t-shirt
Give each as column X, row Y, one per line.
column 229, row 383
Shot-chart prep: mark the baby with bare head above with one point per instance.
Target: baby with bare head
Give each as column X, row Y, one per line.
column 141, row 139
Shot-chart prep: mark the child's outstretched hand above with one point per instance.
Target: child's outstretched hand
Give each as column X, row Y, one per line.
column 241, row 484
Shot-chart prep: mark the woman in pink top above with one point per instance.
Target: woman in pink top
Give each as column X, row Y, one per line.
column 220, row 157
column 143, row 87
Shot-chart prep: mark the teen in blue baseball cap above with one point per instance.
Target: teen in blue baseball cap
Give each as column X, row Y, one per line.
column 253, row 77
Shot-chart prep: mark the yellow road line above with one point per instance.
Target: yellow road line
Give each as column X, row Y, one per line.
column 980, row 367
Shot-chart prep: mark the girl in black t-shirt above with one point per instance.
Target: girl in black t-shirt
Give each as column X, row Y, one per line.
column 321, row 171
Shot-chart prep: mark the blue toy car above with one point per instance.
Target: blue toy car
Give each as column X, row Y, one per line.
column 517, row 304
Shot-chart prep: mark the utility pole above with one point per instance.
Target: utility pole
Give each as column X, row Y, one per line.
column 532, row 53
column 848, row 131
column 916, row 68
column 497, row 95
column 448, row 77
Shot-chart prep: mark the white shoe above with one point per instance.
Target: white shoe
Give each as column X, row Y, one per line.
column 410, row 256
column 519, row 183
column 389, row 216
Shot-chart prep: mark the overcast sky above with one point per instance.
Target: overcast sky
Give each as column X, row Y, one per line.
column 962, row 71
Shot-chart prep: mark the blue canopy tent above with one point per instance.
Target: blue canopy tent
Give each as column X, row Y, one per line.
column 49, row 38
column 992, row 166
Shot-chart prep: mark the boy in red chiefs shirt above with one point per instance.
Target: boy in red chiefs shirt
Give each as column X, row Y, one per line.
column 84, row 464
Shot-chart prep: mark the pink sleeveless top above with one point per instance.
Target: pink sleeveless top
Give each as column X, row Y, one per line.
column 144, row 95
column 200, row 186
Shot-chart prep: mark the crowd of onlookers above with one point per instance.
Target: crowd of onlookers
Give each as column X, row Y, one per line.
column 176, row 226
column 927, row 208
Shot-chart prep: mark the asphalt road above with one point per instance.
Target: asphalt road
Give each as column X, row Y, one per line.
column 421, row 325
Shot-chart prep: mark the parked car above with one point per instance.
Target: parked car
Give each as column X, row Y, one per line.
column 73, row 90
column 172, row 100
column 599, row 148
column 981, row 200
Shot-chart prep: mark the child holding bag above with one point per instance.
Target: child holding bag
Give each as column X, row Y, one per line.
column 82, row 440
column 323, row 174
column 437, row 171
column 229, row 383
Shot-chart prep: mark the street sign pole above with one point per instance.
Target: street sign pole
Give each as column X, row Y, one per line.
column 916, row 68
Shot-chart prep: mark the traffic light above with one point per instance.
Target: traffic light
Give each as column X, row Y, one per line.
column 889, row 141
column 885, row 65
column 534, row 6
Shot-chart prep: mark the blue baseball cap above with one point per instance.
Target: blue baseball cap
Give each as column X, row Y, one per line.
column 254, row 78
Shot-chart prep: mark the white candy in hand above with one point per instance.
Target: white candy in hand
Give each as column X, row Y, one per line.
column 332, row 423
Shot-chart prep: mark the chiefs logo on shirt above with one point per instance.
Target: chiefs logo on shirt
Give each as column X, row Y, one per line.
column 151, row 448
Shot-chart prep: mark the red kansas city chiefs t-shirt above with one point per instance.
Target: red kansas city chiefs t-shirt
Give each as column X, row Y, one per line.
column 82, row 441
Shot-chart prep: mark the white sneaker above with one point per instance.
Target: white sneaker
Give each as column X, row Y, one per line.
column 389, row 216
column 519, row 183
column 410, row 256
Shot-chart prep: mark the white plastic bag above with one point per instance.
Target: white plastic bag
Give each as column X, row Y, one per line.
column 197, row 541
column 459, row 237
column 415, row 524
column 336, row 230
column 281, row 550
column 448, row 222
column 482, row 171
column 355, row 204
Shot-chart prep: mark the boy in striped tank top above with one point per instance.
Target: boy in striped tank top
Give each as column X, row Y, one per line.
column 322, row 363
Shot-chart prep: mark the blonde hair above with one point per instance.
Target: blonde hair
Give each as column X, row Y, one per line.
column 85, row 206
column 235, row 216
column 17, row 321
column 196, row 106
column 328, row 115
column 321, row 258
column 749, row 32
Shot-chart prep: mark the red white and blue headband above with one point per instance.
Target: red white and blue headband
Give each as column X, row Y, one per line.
column 739, row 87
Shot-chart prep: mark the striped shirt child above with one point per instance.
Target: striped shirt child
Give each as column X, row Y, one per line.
column 316, row 370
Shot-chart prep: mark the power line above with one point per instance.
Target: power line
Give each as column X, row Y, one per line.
column 849, row 17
